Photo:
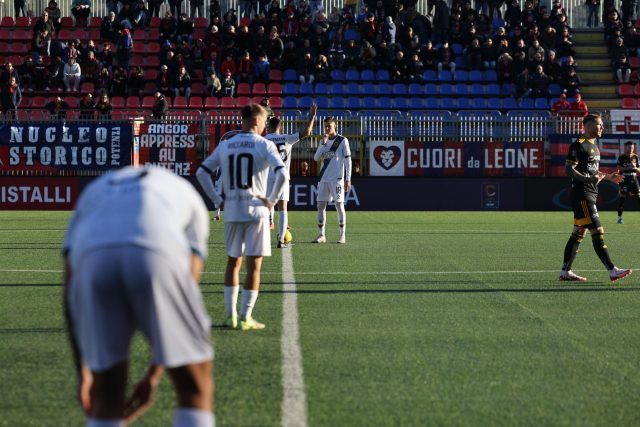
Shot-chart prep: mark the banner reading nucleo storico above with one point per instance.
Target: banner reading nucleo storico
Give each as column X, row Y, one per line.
column 54, row 147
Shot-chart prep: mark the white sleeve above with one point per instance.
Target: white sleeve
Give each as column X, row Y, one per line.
column 280, row 174
column 346, row 151
column 319, row 152
column 197, row 230
column 292, row 138
column 205, row 174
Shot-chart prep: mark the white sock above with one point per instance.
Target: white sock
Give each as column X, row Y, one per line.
column 190, row 417
column 283, row 220
column 322, row 216
column 342, row 218
column 231, row 299
column 93, row 422
column 248, row 301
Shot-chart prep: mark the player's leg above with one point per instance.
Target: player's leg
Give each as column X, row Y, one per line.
column 338, row 197
column 283, row 221
column 615, row 273
column 621, row 201
column 234, row 243
column 194, row 392
column 570, row 252
column 258, row 245
column 108, row 396
column 324, row 196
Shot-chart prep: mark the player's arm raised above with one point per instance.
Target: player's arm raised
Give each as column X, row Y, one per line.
column 205, row 174
column 313, row 110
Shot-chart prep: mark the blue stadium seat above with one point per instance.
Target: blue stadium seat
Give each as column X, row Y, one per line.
column 445, row 76
column 290, row 89
column 369, row 102
column 429, row 76
column 492, row 89
column 416, row 103
column 351, row 35
column 322, row 102
column 509, row 104
column 432, row 103
column 526, row 104
column 541, row 104
column 305, row 102
column 463, row 89
column 431, row 89
column 290, row 102
column 448, row 104
column 353, row 103
column 507, row 89
column 475, row 76
column 384, row 89
column 290, row 76
column 447, row 89
column 382, row 76
column 494, row 103
column 399, row 89
column 457, row 49
column 497, row 23
column 352, row 76
column 477, row 90
column 384, row 103
column 367, row 76
column 368, row 88
column 336, row 89
column 337, row 75
column 322, row 89
column 415, row 89
column 336, row 102
column 352, row 88
column 460, row 63
column 481, row 103
column 555, row 89
column 400, row 103
column 461, row 76
column 464, row 103
column 490, row 76
column 305, row 89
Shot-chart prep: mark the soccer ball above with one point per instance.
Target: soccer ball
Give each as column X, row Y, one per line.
column 287, row 237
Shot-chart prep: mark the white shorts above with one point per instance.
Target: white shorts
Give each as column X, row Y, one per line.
column 118, row 290
column 284, row 194
column 330, row 191
column 248, row 238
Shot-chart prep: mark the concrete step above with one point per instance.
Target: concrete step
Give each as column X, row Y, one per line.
column 583, row 50
column 587, row 37
column 602, row 103
column 582, row 69
column 596, row 76
column 599, row 91
column 593, row 62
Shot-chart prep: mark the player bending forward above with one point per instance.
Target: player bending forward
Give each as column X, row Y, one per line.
column 335, row 177
column 583, row 162
column 284, row 144
column 628, row 168
column 134, row 249
column 244, row 161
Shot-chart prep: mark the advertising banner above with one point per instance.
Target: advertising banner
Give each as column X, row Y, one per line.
column 610, row 145
column 625, row 121
column 54, row 147
column 386, row 158
column 171, row 145
column 38, row 193
column 474, row 159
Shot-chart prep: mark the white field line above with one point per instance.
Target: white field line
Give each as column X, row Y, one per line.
column 361, row 273
column 294, row 399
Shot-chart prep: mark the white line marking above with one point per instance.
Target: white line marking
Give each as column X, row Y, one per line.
column 294, row 400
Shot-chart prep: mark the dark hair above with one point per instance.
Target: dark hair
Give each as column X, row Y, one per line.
column 329, row 119
column 252, row 111
column 591, row 117
column 626, row 144
column 274, row 122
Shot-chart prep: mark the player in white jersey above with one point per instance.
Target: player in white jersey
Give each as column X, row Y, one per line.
column 284, row 144
column 134, row 253
column 244, row 161
column 335, row 177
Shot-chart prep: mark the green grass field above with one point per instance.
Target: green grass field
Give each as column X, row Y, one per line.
column 421, row 319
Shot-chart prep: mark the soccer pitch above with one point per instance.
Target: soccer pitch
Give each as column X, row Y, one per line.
column 422, row 318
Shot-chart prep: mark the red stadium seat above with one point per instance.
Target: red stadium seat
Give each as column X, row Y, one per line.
column 629, row 103
column 245, row 21
column 155, row 22
column 228, row 102
column 95, row 22
column 259, row 89
column 137, row 61
column 274, row 89
column 180, row 102
column 140, row 36
column 152, row 61
column 7, row 21
column 72, row 101
column 625, row 90
column 138, row 49
column 5, row 34
column 38, row 102
column 200, row 22
column 148, row 101
column 66, row 22
column 244, row 89
column 16, row 60
column 198, row 88
column 21, row 35
column 151, row 74
column 275, row 75
column 153, row 48
column 195, row 102
column 117, row 102
column 150, row 88
column 23, row 21
column 87, row 87
column 133, row 102
column 64, row 34
column 153, row 34
column 275, row 102
column 241, row 101
column 19, row 48
column 211, row 102
column 634, row 62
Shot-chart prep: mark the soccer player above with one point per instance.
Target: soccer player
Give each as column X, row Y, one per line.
column 284, row 144
column 628, row 167
column 244, row 161
column 134, row 253
column 335, row 177
column 582, row 167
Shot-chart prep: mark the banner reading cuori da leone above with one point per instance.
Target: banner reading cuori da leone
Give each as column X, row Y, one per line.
column 386, row 158
column 54, row 147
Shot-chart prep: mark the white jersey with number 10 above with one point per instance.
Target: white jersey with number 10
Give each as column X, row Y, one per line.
column 244, row 161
